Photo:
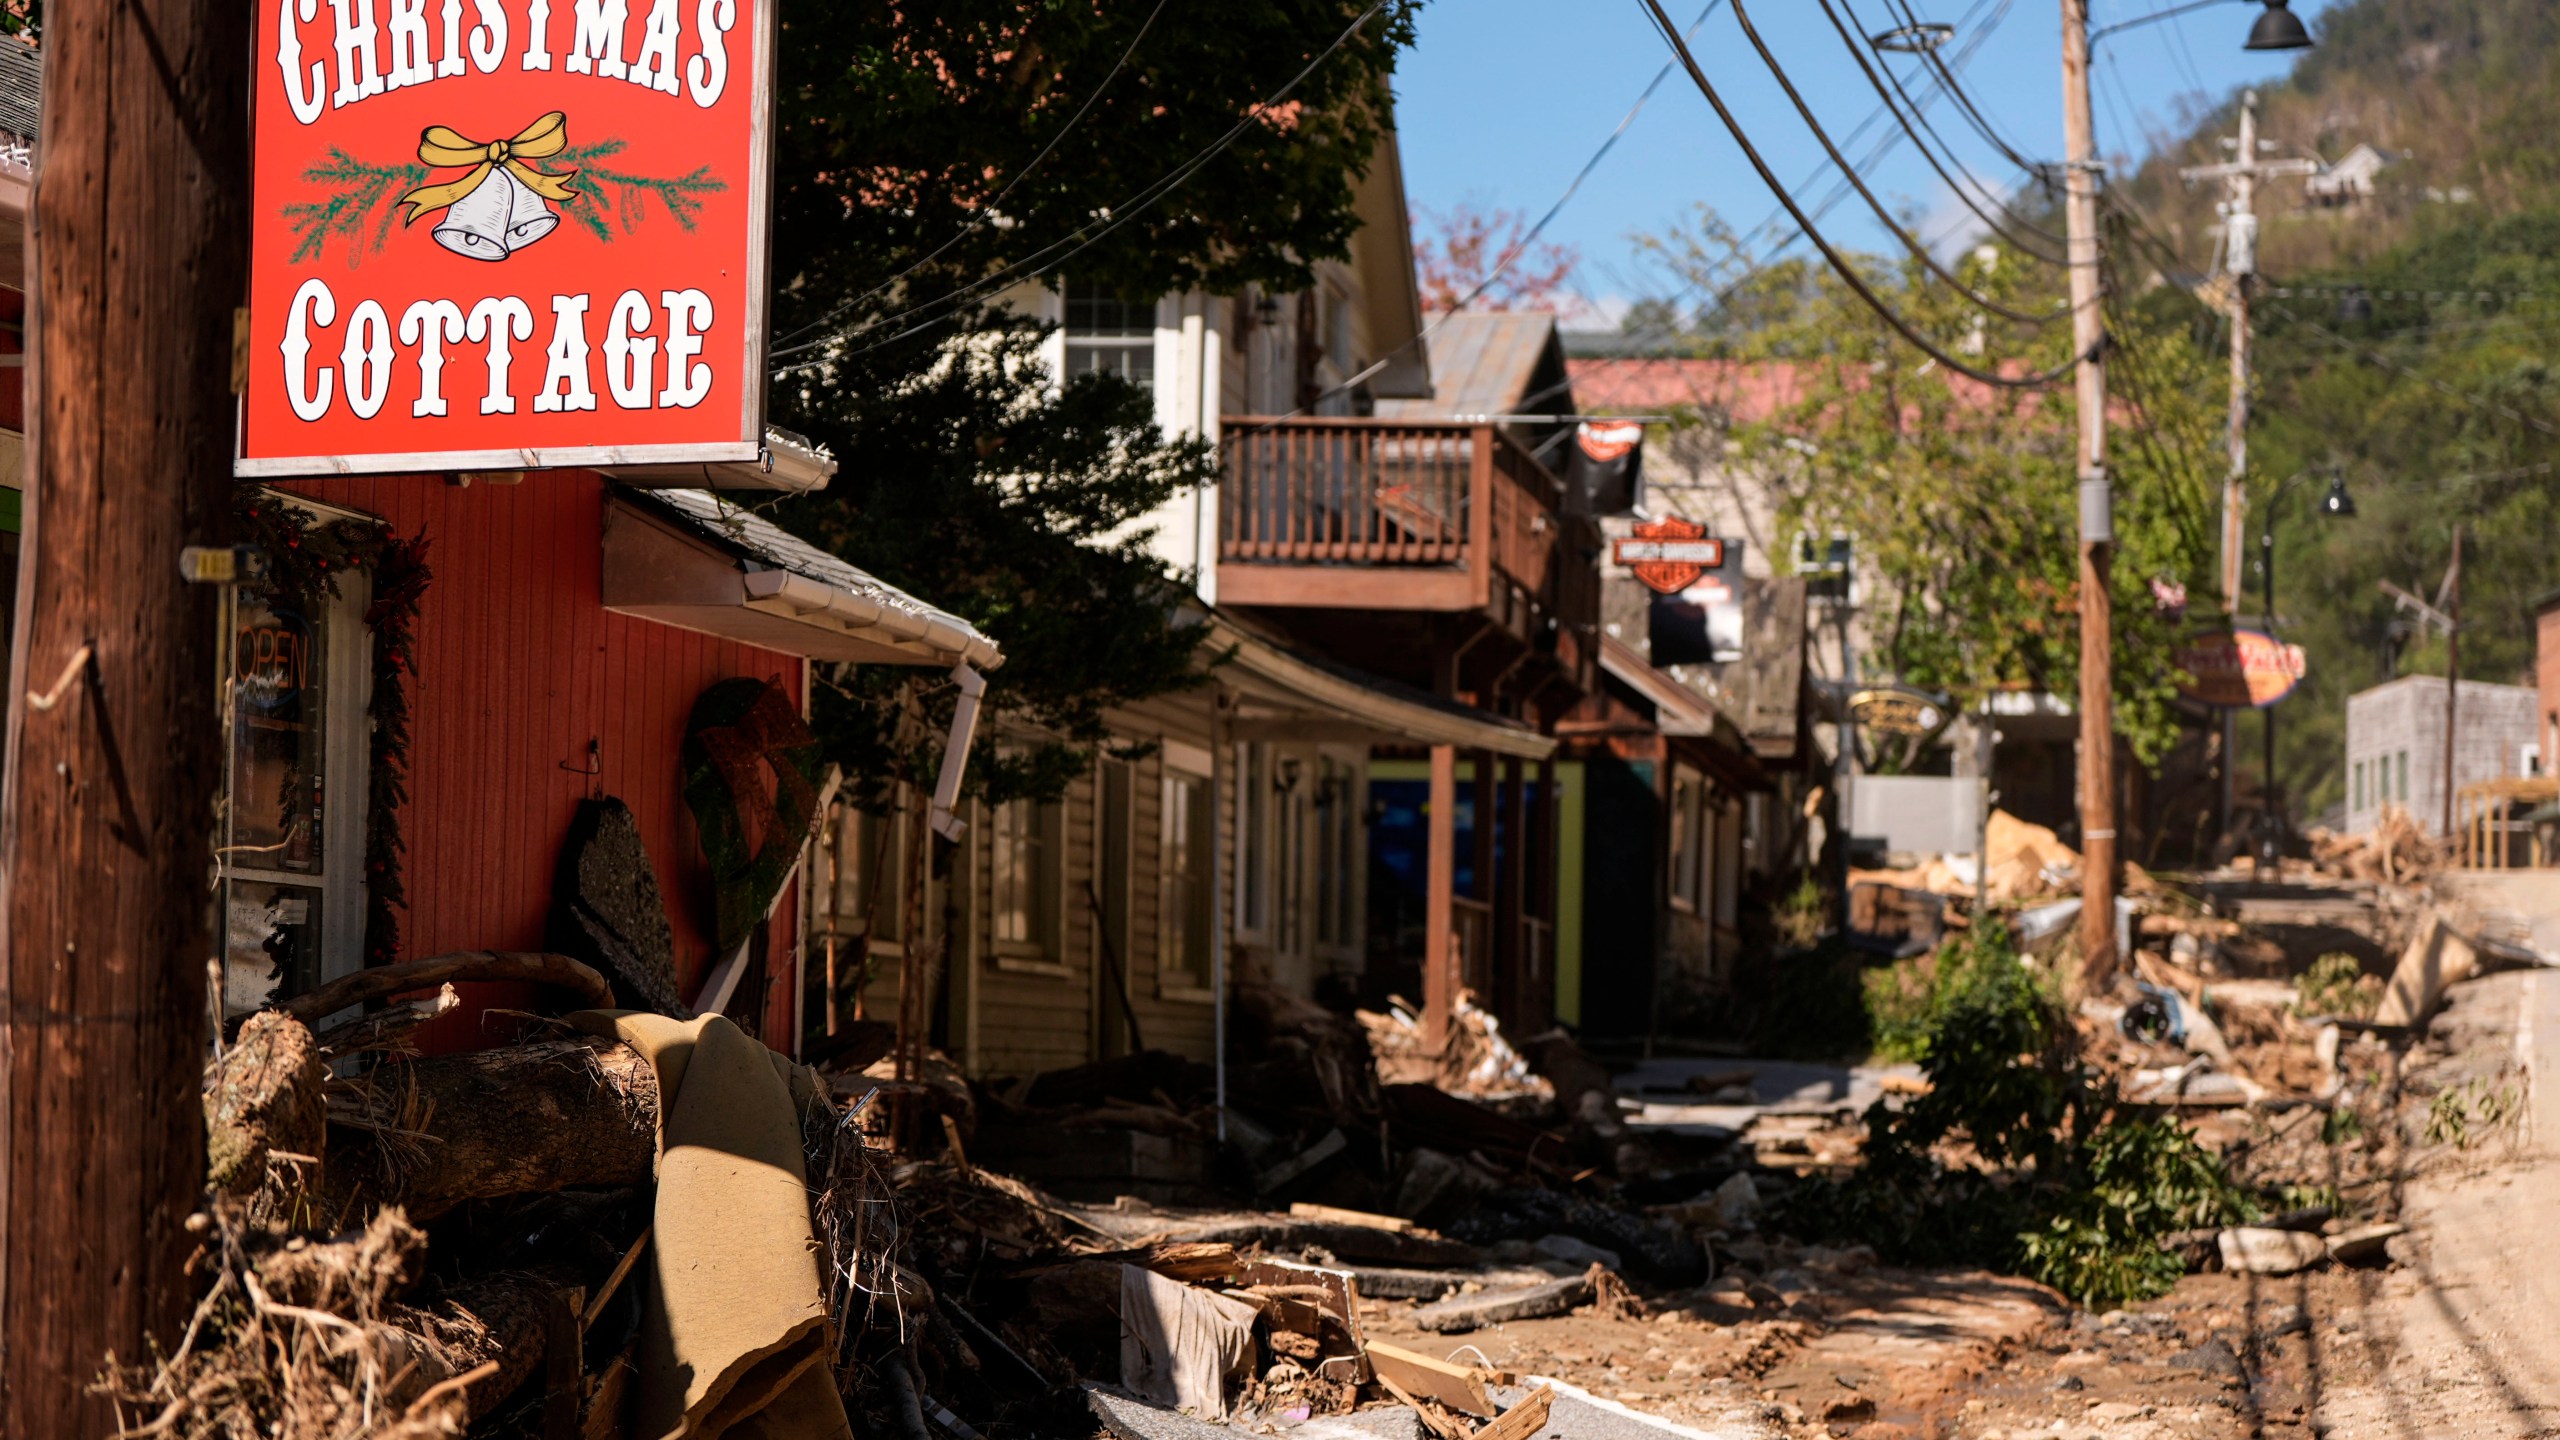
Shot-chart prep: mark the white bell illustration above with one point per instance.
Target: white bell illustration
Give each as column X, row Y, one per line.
column 476, row 225
column 530, row 219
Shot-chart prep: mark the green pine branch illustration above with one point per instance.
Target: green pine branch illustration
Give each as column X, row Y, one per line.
column 625, row 196
column 361, row 199
column 355, row 191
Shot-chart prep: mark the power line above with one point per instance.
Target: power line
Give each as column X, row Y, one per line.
column 1092, row 232
column 992, row 206
column 1857, row 52
column 1839, row 263
column 1512, row 255
column 1883, row 215
column 1963, row 99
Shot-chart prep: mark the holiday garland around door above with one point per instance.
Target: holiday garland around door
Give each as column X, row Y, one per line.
column 305, row 558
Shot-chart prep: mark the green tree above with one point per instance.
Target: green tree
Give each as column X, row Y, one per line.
column 1960, row 496
column 934, row 158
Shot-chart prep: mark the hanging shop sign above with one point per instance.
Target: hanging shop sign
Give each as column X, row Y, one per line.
column 2239, row 669
column 1699, row 621
column 1897, row 710
column 1606, row 466
column 1668, row 555
column 526, row 233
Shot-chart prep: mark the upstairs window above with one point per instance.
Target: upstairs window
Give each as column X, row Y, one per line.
column 1107, row 335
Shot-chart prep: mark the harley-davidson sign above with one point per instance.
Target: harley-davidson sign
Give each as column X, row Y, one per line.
column 511, row 234
column 2240, row 669
column 1669, row 554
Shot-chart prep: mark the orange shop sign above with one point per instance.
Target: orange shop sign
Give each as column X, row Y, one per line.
column 2240, row 669
column 507, row 234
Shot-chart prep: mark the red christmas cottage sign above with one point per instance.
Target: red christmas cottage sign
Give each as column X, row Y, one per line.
column 502, row 234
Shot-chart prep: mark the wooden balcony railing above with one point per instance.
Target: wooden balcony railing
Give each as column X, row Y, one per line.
column 1376, row 493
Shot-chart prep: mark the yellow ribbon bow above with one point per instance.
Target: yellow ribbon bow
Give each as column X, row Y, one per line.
column 443, row 146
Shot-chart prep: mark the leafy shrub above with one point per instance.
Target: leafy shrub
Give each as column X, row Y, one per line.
column 2070, row 1187
column 2337, row 985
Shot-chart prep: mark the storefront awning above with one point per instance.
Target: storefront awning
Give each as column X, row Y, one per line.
column 1289, row 696
column 1702, row 731
column 694, row 560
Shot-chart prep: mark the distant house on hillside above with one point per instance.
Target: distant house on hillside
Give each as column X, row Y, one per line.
column 2348, row 182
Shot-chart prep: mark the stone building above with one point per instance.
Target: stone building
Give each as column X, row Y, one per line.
column 2395, row 745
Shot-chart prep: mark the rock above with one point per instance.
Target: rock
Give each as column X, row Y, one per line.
column 2114, row 1410
column 1737, row 1201
column 2216, row 1358
column 2254, row 1250
column 1438, row 1186
column 2364, row 1244
column 2069, row 1383
column 606, row 909
column 2285, row 1320
column 1580, row 1254
column 1849, row 1410
column 1474, row 1312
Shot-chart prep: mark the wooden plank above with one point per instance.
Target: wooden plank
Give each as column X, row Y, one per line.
column 1456, row 1386
column 1304, row 1211
column 1350, row 588
column 1524, row 1419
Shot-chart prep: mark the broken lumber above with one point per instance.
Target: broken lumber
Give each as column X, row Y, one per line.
column 262, row 1096
column 390, row 1027
column 1474, row 1312
column 1301, row 1210
column 557, row 972
column 1456, row 1386
column 1524, row 1419
column 520, row 1119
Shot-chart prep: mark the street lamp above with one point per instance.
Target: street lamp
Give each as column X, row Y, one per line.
column 2278, row 29
column 2337, row 505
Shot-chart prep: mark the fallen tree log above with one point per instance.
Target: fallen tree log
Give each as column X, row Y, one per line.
column 558, row 972
column 521, row 1119
column 264, row 1095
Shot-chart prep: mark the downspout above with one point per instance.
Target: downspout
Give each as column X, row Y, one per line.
column 955, row 752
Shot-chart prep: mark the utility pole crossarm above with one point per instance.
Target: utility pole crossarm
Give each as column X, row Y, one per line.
column 2256, row 170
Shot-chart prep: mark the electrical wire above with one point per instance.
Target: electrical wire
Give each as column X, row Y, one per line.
column 1857, row 51
column 1884, row 216
column 1511, row 255
column 1838, row 262
column 1964, row 100
column 1089, row 234
column 994, row 205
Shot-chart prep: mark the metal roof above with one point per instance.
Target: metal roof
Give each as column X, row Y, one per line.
column 1491, row 363
column 765, row 545
column 21, row 88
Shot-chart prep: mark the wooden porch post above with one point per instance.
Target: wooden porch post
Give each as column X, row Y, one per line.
column 1510, row 899
column 1544, row 886
column 1440, row 868
column 1485, row 967
column 139, row 253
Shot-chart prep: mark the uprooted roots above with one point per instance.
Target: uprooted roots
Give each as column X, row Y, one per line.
column 309, row 1342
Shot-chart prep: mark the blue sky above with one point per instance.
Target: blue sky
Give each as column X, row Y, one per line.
column 1502, row 101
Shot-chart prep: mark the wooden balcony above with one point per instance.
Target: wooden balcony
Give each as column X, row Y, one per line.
column 1363, row 520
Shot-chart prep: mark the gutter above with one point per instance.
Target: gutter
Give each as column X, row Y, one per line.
column 798, row 596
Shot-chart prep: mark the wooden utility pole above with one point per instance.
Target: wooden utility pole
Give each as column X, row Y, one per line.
column 138, row 253
column 2097, row 514
column 2452, row 670
column 2240, row 266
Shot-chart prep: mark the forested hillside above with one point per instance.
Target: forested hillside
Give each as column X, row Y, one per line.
column 2405, row 339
